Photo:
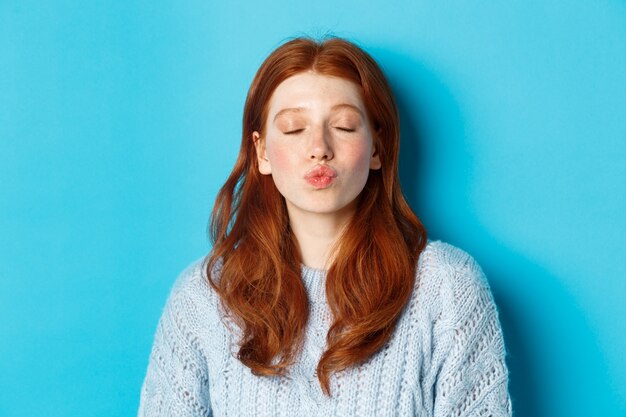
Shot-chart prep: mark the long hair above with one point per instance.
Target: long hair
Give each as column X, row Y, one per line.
column 255, row 265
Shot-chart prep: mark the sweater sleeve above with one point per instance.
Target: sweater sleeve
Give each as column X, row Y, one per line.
column 176, row 382
column 472, row 377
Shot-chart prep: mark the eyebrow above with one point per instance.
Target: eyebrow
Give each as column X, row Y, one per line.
column 335, row 107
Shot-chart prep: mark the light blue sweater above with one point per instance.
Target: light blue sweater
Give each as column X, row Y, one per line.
column 445, row 358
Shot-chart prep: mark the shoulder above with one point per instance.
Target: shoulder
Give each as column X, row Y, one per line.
column 446, row 258
column 191, row 298
column 450, row 280
column 443, row 262
column 192, row 280
column 466, row 349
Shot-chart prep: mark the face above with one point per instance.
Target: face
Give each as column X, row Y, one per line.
column 318, row 144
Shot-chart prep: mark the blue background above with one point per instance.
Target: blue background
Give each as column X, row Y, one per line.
column 120, row 120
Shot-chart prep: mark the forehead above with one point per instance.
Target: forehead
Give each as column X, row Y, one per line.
column 312, row 91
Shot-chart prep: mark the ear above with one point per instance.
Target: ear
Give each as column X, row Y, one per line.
column 375, row 159
column 261, row 154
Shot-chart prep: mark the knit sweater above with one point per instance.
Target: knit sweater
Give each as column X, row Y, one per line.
column 445, row 357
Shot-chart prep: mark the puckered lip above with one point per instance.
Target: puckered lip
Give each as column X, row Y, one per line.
column 320, row 171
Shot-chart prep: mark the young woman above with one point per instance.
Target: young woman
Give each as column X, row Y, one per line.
column 322, row 295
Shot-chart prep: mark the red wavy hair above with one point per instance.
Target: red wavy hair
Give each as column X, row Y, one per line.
column 255, row 264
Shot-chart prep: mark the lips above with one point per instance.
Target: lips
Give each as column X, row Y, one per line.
column 320, row 176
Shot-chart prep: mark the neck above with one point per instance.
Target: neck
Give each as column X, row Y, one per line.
column 316, row 233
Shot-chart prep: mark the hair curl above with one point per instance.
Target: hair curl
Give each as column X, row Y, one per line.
column 373, row 273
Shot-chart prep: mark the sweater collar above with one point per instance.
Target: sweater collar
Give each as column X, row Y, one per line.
column 314, row 281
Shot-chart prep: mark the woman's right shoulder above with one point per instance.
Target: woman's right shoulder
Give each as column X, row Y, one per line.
column 192, row 287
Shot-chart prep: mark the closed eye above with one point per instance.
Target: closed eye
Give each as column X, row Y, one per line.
column 293, row 132
column 345, row 129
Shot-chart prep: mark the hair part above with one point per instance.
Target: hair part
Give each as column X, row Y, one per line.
column 255, row 264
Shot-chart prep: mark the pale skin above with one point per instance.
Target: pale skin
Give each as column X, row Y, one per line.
column 317, row 120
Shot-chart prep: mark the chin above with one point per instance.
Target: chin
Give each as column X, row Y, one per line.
column 327, row 207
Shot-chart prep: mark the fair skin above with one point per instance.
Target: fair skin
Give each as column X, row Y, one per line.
column 318, row 145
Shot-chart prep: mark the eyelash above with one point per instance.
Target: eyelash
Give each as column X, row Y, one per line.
column 343, row 129
column 294, row 132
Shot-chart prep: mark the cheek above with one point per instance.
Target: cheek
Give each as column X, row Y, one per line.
column 280, row 160
column 361, row 154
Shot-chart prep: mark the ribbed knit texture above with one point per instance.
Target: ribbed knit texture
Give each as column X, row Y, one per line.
column 445, row 358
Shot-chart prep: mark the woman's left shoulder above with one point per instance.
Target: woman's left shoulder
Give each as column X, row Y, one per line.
column 449, row 279
column 467, row 347
column 445, row 263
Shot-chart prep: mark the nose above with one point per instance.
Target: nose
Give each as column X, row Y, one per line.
column 319, row 146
